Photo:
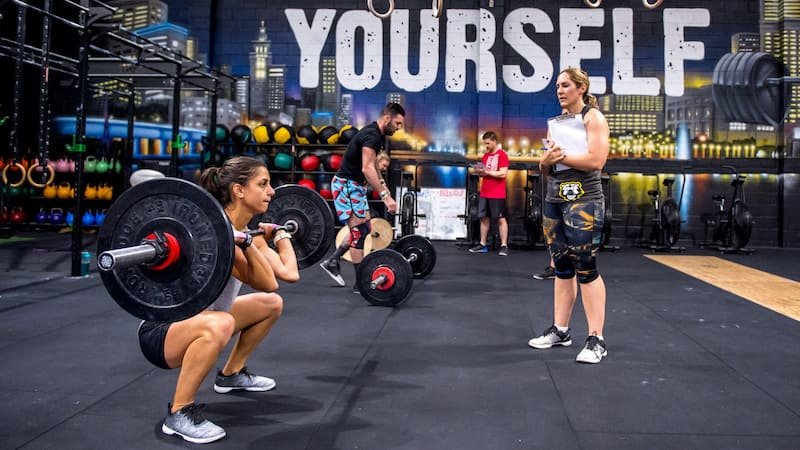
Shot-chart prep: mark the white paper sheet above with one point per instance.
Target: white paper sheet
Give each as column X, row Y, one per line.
column 568, row 132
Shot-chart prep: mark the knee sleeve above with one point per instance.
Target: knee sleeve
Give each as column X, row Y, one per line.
column 565, row 267
column 358, row 235
column 586, row 267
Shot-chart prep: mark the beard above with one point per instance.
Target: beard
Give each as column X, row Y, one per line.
column 390, row 129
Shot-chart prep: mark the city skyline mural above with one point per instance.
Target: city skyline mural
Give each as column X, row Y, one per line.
column 477, row 67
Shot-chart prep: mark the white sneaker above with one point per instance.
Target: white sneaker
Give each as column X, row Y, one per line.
column 331, row 267
column 242, row 381
column 593, row 351
column 551, row 337
column 189, row 424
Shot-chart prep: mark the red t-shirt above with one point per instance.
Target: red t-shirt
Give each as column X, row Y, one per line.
column 492, row 187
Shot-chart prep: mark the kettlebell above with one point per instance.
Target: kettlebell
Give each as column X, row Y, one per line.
column 117, row 166
column 17, row 215
column 105, row 192
column 88, row 218
column 15, row 191
column 42, row 216
column 50, row 191
column 64, row 190
column 56, row 216
column 62, row 165
column 90, row 193
column 70, row 217
column 100, row 217
column 4, row 215
column 90, row 164
column 102, row 166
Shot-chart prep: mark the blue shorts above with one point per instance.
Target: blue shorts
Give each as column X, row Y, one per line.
column 349, row 198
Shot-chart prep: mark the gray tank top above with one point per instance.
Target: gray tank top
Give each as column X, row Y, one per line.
column 572, row 184
column 225, row 299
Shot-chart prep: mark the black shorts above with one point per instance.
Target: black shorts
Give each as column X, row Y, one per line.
column 151, row 340
column 491, row 207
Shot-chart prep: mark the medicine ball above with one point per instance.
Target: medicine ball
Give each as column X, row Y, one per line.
column 261, row 134
column 306, row 135
column 222, row 133
column 283, row 134
column 308, row 183
column 309, row 162
column 333, row 162
column 346, row 133
column 328, row 135
column 241, row 134
column 283, row 161
column 325, row 190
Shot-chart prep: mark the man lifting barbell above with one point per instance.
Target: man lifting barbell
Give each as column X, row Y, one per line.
column 349, row 186
column 241, row 185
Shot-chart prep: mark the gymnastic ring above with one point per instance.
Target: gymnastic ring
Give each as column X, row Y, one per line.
column 594, row 4
column 437, row 6
column 379, row 15
column 50, row 179
column 5, row 174
column 653, row 5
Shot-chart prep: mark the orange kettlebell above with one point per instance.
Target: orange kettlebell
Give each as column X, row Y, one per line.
column 90, row 193
column 50, row 191
column 64, row 190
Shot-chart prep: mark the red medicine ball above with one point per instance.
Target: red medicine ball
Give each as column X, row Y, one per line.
column 308, row 183
column 309, row 163
column 334, row 162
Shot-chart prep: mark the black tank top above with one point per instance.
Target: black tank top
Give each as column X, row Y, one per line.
column 572, row 184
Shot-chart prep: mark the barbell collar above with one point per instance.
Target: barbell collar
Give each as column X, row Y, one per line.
column 120, row 258
column 412, row 257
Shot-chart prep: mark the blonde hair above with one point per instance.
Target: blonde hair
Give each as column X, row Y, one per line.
column 382, row 156
column 581, row 78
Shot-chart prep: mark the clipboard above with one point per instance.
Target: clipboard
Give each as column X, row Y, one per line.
column 568, row 131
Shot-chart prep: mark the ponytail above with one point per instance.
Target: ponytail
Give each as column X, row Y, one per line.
column 590, row 99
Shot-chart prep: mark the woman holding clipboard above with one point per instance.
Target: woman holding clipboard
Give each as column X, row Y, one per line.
column 577, row 149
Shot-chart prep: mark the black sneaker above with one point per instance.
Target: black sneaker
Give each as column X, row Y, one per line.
column 331, row 267
column 356, row 290
column 547, row 274
column 593, row 351
column 189, row 424
column 503, row 250
column 551, row 337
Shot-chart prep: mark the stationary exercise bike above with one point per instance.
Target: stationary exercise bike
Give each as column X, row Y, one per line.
column 608, row 217
column 409, row 215
column 731, row 228
column 666, row 229
column 532, row 214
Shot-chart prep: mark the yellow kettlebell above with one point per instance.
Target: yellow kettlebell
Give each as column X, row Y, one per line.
column 64, row 190
column 90, row 193
column 50, row 191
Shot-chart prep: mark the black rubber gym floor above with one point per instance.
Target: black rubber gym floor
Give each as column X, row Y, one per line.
column 689, row 365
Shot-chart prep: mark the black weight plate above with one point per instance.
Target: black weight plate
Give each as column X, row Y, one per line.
column 307, row 209
column 403, row 278
column 670, row 222
column 768, row 99
column 742, row 224
column 197, row 220
column 718, row 89
column 743, row 88
column 424, row 251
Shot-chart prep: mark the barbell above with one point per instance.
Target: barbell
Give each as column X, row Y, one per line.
column 166, row 248
column 385, row 277
column 749, row 87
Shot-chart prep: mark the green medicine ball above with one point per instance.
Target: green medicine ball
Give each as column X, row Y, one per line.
column 283, row 161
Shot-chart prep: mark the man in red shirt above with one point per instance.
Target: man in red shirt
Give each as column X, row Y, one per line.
column 492, row 202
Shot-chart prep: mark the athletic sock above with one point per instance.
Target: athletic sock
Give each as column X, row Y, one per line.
column 562, row 329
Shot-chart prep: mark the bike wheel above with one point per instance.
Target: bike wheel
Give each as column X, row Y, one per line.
column 670, row 222
column 742, row 224
column 407, row 215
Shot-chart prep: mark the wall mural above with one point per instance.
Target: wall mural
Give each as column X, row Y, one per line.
column 674, row 78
